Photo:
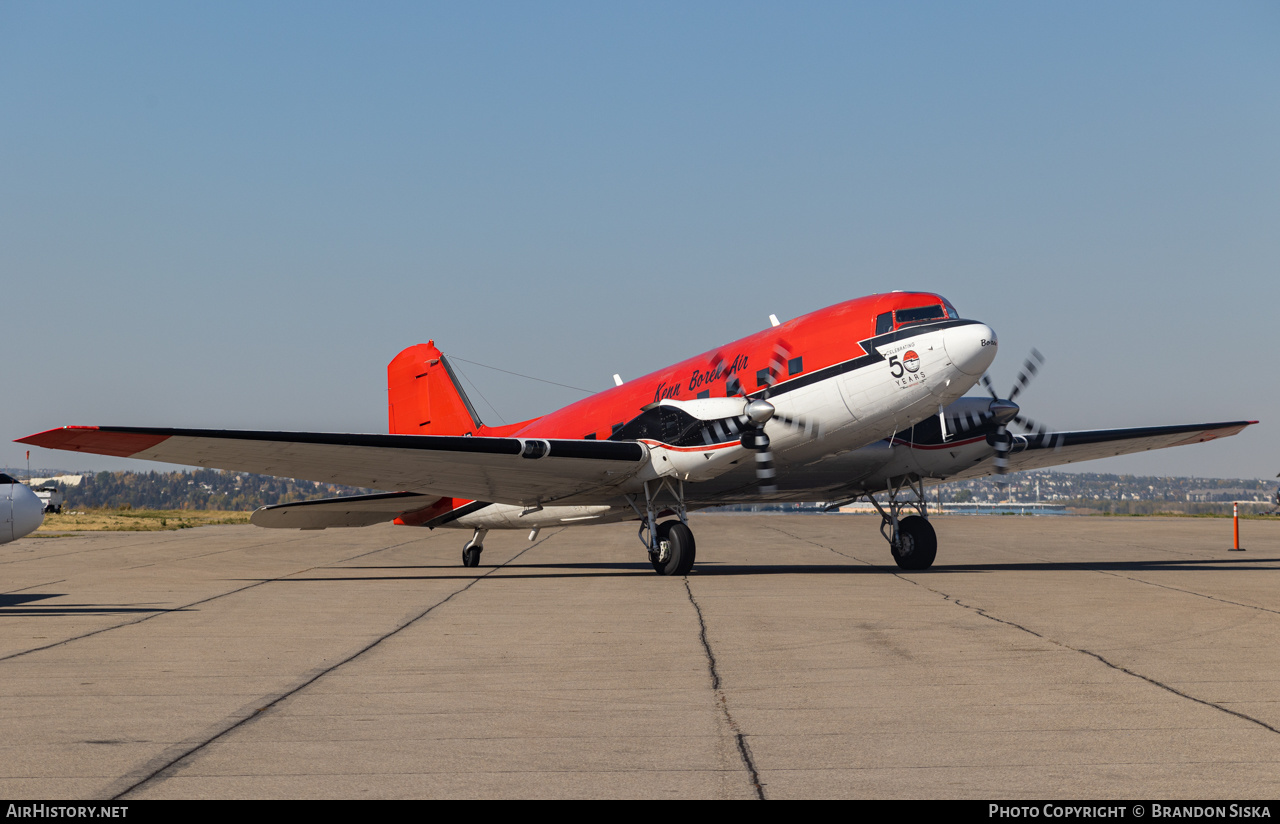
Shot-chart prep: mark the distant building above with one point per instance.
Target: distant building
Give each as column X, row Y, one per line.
column 61, row 480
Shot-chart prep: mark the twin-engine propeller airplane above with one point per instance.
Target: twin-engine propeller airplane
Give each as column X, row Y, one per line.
column 863, row 398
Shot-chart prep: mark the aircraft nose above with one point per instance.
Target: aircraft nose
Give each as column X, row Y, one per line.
column 28, row 511
column 971, row 347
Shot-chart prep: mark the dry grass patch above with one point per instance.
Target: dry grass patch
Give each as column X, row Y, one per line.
column 133, row 520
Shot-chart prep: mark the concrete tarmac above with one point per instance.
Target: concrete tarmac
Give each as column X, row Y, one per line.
column 1048, row 657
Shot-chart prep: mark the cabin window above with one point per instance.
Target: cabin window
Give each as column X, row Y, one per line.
column 762, row 378
column 884, row 323
column 919, row 314
column 705, row 393
column 795, row 366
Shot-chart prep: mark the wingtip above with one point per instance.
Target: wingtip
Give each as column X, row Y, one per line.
column 95, row 439
column 49, row 436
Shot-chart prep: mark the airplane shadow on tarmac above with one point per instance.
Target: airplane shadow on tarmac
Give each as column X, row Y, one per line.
column 709, row 568
column 15, row 604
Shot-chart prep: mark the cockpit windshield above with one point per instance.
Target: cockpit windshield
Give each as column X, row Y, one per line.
column 919, row 314
column 938, row 308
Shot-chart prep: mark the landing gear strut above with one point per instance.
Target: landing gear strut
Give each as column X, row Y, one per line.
column 471, row 552
column 912, row 540
column 670, row 543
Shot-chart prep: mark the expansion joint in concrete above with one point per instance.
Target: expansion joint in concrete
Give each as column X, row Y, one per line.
column 172, row 759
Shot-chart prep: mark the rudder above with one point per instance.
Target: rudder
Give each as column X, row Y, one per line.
column 424, row 396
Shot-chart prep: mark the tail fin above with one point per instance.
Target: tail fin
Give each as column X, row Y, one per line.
column 424, row 396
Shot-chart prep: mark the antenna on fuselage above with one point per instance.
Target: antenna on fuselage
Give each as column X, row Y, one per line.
column 617, row 380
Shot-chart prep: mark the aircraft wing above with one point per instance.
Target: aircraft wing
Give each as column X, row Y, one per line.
column 1056, row 448
column 519, row 471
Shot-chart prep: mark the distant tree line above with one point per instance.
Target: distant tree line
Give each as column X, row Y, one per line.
column 199, row 489
column 1116, row 494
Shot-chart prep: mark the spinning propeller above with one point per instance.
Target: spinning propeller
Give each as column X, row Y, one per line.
column 1003, row 411
column 758, row 412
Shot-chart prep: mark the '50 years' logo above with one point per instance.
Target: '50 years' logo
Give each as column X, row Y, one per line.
column 910, row 363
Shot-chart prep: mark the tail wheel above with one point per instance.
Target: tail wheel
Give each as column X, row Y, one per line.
column 917, row 543
column 680, row 549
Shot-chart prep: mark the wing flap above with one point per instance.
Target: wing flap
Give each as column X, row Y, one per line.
column 501, row 470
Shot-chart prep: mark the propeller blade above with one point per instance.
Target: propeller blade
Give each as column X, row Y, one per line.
column 766, row 476
column 1002, row 444
column 986, row 382
column 1029, row 368
column 809, row 427
column 1031, row 426
column 972, row 420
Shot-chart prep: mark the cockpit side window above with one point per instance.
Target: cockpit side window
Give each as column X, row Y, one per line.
column 884, row 323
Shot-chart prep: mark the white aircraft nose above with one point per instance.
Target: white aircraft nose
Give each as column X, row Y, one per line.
column 971, row 348
column 28, row 511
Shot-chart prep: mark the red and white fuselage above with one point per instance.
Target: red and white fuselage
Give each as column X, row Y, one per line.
column 845, row 377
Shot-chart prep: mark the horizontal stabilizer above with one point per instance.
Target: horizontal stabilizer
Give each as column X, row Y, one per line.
column 350, row 510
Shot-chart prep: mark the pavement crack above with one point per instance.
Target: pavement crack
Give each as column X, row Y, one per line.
column 1081, row 650
column 171, row 759
column 821, row 546
column 722, row 700
column 1190, row 592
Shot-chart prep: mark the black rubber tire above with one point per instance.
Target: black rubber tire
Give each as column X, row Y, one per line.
column 919, row 544
column 471, row 555
column 683, row 548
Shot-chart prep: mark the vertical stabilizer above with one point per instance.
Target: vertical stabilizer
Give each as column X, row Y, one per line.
column 424, row 396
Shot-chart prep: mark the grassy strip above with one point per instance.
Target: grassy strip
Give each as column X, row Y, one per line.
column 57, row 525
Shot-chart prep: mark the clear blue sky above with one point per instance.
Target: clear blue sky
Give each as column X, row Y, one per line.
column 233, row 215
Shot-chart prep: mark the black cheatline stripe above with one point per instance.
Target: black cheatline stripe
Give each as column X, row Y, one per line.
column 592, row 450
column 189, row 748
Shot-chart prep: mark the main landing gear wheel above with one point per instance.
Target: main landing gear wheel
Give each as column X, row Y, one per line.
column 676, row 549
column 471, row 552
column 917, row 543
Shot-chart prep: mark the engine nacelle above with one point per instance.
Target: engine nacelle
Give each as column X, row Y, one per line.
column 693, row 440
column 21, row 512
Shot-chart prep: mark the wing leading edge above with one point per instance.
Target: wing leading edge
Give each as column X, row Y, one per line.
column 518, row 471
